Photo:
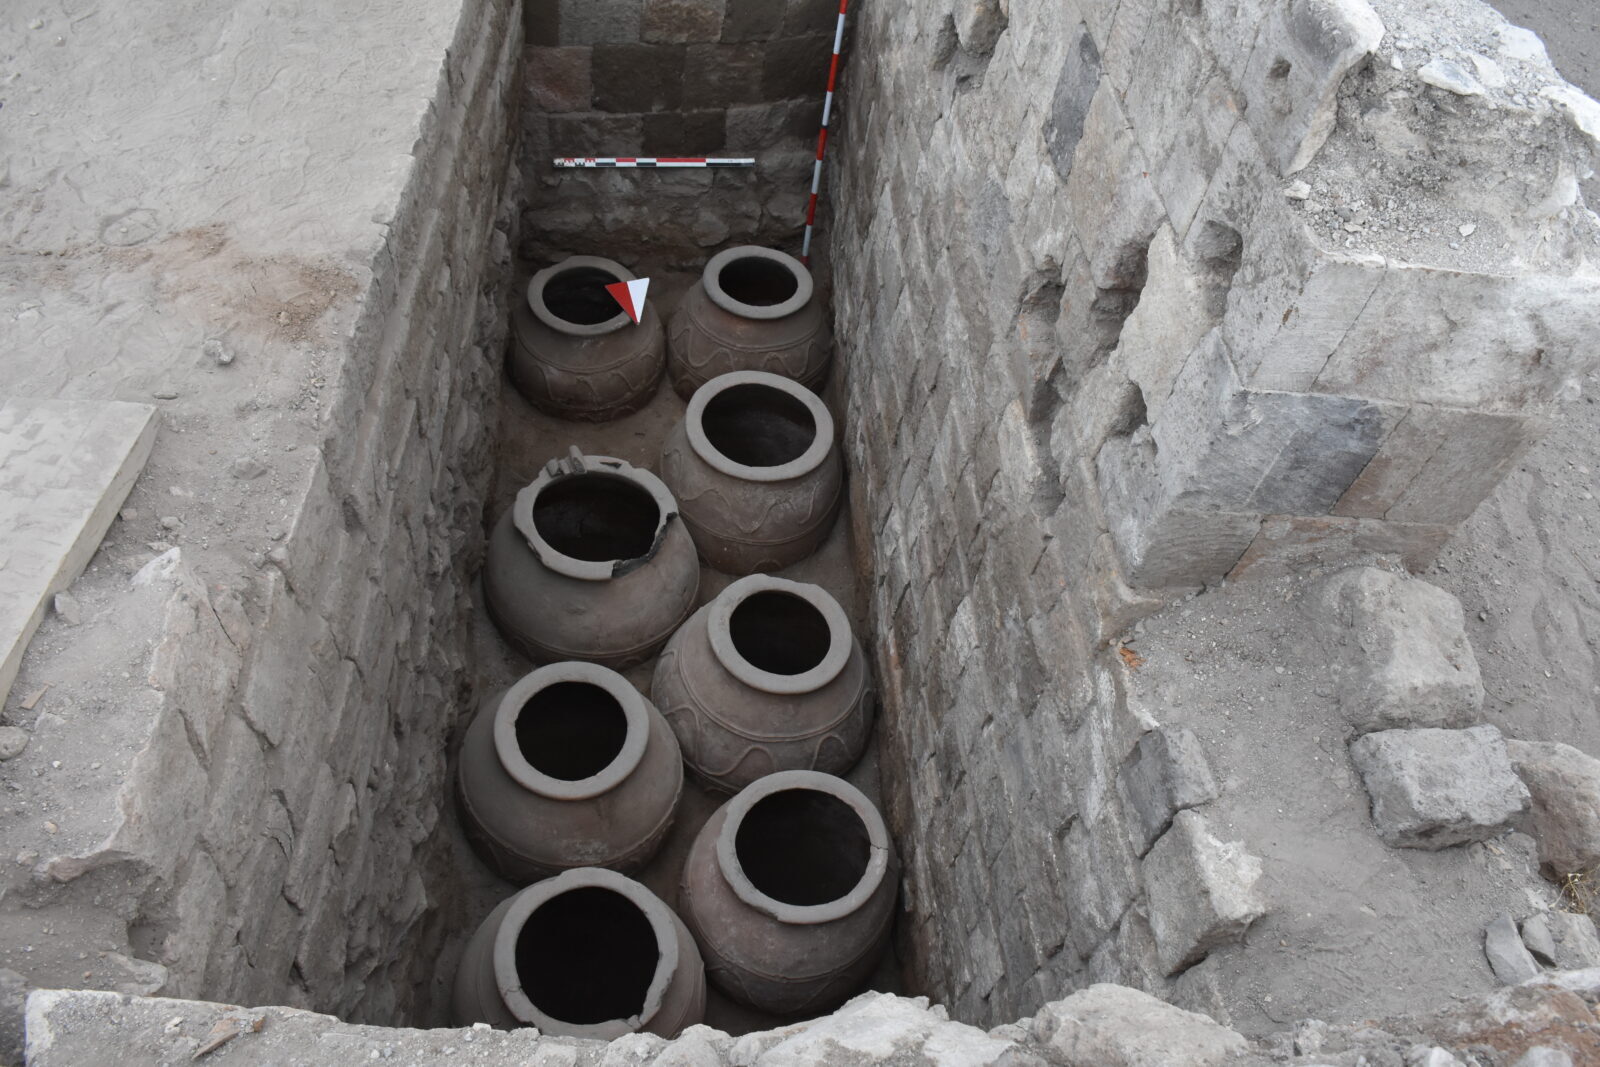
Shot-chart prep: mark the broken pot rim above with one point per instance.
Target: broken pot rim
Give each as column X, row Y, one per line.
column 803, row 914
column 634, row 742
column 542, row 312
column 805, row 463
column 719, row 621
column 576, row 464
column 711, row 278
column 529, row 900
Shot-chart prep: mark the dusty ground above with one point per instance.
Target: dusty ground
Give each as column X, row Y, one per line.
column 1571, row 32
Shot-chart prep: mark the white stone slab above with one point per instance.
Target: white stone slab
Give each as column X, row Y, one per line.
column 65, row 468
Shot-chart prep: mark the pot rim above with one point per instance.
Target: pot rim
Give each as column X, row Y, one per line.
column 711, row 279
column 841, row 642
column 577, row 464
column 614, row 773
column 529, row 900
column 805, row 463
column 542, row 312
column 801, row 914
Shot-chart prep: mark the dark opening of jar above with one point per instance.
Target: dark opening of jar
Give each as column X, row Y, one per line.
column 803, row 847
column 756, row 281
column 579, row 296
column 587, row 956
column 571, row 730
column 779, row 633
column 596, row 517
column 758, row 425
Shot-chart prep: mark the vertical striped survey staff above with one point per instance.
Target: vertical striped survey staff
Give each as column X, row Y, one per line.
column 822, row 137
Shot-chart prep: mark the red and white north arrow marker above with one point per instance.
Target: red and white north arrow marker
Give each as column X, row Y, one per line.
column 630, row 295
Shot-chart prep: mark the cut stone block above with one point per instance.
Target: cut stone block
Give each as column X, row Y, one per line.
column 1565, row 784
column 1508, row 957
column 65, row 468
column 1408, row 661
column 1432, row 789
column 1562, row 939
column 1202, row 892
column 1166, row 773
column 1114, row 1026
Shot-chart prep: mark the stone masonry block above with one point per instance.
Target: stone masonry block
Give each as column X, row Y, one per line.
column 1289, row 544
column 719, row 75
column 600, row 21
column 1432, row 788
column 1167, row 772
column 1565, row 784
column 1437, row 464
column 680, row 21
column 684, row 133
column 796, row 66
column 1202, row 892
column 752, row 20
column 1176, row 308
column 1565, row 940
column 979, row 24
column 1406, row 658
column 1114, row 1026
column 1291, row 83
column 558, row 79
column 638, row 77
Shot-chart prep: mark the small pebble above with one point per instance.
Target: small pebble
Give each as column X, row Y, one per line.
column 1467, row 229
column 165, row 394
column 247, row 468
column 13, row 739
column 66, row 606
column 219, row 352
column 50, row 827
column 170, row 522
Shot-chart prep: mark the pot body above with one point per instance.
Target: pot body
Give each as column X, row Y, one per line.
column 586, row 379
column 785, row 968
column 588, row 373
column 526, row 836
column 476, row 997
column 705, row 340
column 742, row 526
column 616, row 622
column 732, row 733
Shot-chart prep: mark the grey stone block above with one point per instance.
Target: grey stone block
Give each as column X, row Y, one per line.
column 1407, row 661
column 1508, row 957
column 1432, row 789
column 1113, row 1026
column 1565, row 784
column 599, row 21
column 753, row 20
column 680, row 21
column 638, row 77
column 1562, row 939
column 1166, row 773
column 1202, row 892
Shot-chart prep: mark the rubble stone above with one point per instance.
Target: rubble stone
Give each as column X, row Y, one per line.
column 1508, row 957
column 1565, row 784
column 1202, row 892
column 1435, row 788
column 1166, row 773
column 1562, row 939
column 1407, row 660
column 1113, row 1026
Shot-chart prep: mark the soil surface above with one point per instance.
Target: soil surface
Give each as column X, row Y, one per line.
column 1571, row 32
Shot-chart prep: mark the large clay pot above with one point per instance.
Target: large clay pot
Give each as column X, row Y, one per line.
column 574, row 353
column 755, row 470
column 592, row 562
column 767, row 677
column 753, row 309
column 588, row 954
column 570, row 767
column 789, row 889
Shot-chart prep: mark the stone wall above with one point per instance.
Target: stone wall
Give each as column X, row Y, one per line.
column 671, row 78
column 268, row 760
column 1133, row 296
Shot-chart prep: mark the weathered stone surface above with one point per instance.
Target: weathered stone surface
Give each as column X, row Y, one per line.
column 1202, row 891
column 1407, row 661
column 679, row 21
column 638, row 77
column 65, row 469
column 1436, row 788
column 1565, row 784
column 1112, row 1026
column 1543, row 1056
column 1565, row 940
column 1508, row 957
column 1166, row 773
column 559, row 78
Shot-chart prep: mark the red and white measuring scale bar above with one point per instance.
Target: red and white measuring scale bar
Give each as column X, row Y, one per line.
column 822, row 137
column 591, row 162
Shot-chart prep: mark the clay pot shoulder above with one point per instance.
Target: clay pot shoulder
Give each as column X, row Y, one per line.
column 755, row 469
column 767, row 677
column 753, row 309
column 789, row 890
column 570, row 767
column 574, row 354
column 592, row 562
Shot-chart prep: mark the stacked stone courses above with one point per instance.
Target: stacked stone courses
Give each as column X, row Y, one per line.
column 1137, row 296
